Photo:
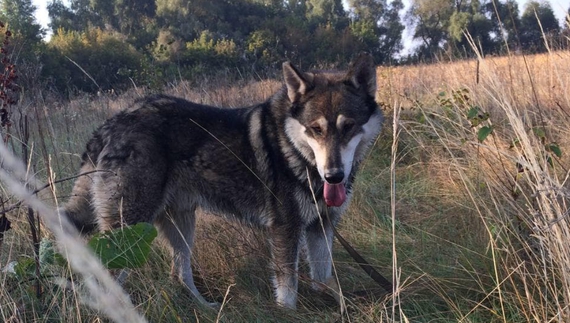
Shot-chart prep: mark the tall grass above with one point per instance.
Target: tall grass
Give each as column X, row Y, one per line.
column 475, row 231
column 500, row 200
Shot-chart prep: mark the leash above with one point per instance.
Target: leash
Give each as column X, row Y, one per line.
column 365, row 265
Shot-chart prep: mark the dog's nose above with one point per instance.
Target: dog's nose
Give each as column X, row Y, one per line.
column 334, row 176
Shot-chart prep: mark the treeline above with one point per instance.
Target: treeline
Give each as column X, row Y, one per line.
column 100, row 45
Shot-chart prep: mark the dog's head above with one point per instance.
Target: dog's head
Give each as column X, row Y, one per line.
column 333, row 119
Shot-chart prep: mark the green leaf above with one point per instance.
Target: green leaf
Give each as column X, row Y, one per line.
column 49, row 255
column 126, row 247
column 484, row 132
column 539, row 132
column 549, row 161
column 555, row 149
column 47, row 252
column 421, row 118
column 516, row 142
column 25, row 268
column 473, row 112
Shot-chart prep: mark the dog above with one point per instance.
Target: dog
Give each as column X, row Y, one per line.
column 286, row 165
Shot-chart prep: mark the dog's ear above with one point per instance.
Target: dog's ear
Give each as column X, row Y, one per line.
column 297, row 83
column 362, row 73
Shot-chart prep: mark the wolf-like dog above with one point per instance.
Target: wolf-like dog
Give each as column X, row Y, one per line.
column 286, row 165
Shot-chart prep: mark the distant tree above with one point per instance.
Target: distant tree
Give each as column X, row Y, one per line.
column 106, row 61
column 450, row 24
column 430, row 21
column 378, row 26
column 391, row 41
column 469, row 19
column 505, row 20
column 368, row 9
column 296, row 7
column 327, row 11
column 538, row 24
column 19, row 16
column 106, row 12
column 78, row 15
column 26, row 45
column 132, row 15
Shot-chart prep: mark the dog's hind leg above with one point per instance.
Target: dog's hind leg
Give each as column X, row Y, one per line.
column 131, row 187
column 78, row 208
column 178, row 228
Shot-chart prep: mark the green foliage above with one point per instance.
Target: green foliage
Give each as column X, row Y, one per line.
column 505, row 22
column 197, row 36
column 484, row 132
column 91, row 60
column 476, row 116
column 18, row 15
column 209, row 51
column 122, row 248
column 538, row 23
column 185, row 37
column 127, row 247
column 25, row 267
column 26, row 34
column 442, row 26
column 430, row 20
column 262, row 44
column 458, row 24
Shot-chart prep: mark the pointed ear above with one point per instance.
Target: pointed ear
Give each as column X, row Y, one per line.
column 296, row 82
column 362, row 73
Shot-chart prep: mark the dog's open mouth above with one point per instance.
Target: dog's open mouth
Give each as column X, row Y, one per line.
column 335, row 194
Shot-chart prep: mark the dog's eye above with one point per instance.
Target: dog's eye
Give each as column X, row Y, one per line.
column 347, row 127
column 317, row 130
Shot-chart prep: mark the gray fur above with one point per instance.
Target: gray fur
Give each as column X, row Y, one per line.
column 165, row 157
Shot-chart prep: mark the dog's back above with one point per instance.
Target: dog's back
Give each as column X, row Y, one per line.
column 140, row 158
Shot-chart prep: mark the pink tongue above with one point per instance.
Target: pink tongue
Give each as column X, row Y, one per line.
column 335, row 194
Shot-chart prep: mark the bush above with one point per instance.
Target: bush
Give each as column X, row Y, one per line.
column 90, row 61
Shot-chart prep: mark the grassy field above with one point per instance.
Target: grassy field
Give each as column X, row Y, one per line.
column 463, row 200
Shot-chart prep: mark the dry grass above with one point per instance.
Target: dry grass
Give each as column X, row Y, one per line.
column 479, row 229
column 497, row 207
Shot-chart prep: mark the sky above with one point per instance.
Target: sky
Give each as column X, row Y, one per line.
column 560, row 8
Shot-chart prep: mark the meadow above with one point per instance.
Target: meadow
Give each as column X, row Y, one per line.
column 462, row 201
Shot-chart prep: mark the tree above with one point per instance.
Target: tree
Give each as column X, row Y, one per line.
column 391, row 41
column 538, row 24
column 132, row 15
column 430, row 21
column 377, row 25
column 469, row 19
column 326, row 11
column 106, row 61
column 19, row 16
column 78, row 16
column 505, row 22
column 451, row 24
column 565, row 36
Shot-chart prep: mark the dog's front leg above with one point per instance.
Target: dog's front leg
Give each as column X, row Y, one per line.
column 319, row 241
column 285, row 251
